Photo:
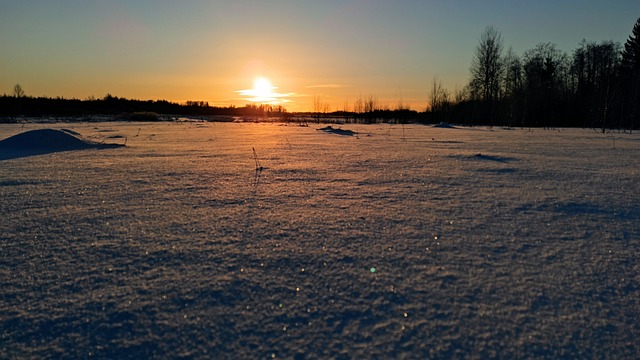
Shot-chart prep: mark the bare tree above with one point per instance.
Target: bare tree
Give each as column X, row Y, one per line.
column 512, row 87
column 18, row 91
column 358, row 106
column 320, row 106
column 371, row 104
column 401, row 105
column 486, row 69
column 439, row 97
column 460, row 94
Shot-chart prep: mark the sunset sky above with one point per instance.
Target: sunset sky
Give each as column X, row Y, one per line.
column 338, row 50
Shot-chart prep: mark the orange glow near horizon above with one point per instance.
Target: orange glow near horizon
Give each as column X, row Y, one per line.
column 264, row 92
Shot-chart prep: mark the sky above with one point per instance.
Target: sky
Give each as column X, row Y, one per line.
column 332, row 51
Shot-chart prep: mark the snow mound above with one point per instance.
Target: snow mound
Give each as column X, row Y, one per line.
column 444, row 125
column 338, row 131
column 43, row 141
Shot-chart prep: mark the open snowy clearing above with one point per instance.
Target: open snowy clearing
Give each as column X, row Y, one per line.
column 391, row 242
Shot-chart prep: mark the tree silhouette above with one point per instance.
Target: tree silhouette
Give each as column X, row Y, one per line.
column 594, row 69
column 630, row 78
column 486, row 71
column 598, row 86
column 512, row 87
column 320, row 107
column 545, row 69
column 18, row 91
column 439, row 97
column 631, row 51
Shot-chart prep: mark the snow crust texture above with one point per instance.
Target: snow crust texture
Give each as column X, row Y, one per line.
column 414, row 242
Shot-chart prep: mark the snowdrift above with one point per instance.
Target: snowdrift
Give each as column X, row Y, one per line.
column 332, row 130
column 444, row 125
column 43, row 141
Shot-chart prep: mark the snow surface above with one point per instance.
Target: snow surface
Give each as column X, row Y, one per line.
column 414, row 242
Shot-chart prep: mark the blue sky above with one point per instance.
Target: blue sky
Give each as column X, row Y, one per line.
column 338, row 50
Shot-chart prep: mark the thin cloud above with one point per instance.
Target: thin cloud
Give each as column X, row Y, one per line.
column 271, row 97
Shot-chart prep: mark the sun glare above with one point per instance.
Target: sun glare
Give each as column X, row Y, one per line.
column 263, row 92
column 262, row 87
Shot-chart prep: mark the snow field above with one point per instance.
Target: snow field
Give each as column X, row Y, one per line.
column 439, row 243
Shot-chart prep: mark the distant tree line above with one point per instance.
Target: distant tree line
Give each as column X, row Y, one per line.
column 19, row 105
column 597, row 86
column 367, row 110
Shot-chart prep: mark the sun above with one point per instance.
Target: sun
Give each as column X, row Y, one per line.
column 264, row 92
column 262, row 88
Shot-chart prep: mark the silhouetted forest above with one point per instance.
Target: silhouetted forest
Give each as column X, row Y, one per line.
column 18, row 105
column 13, row 108
column 595, row 86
